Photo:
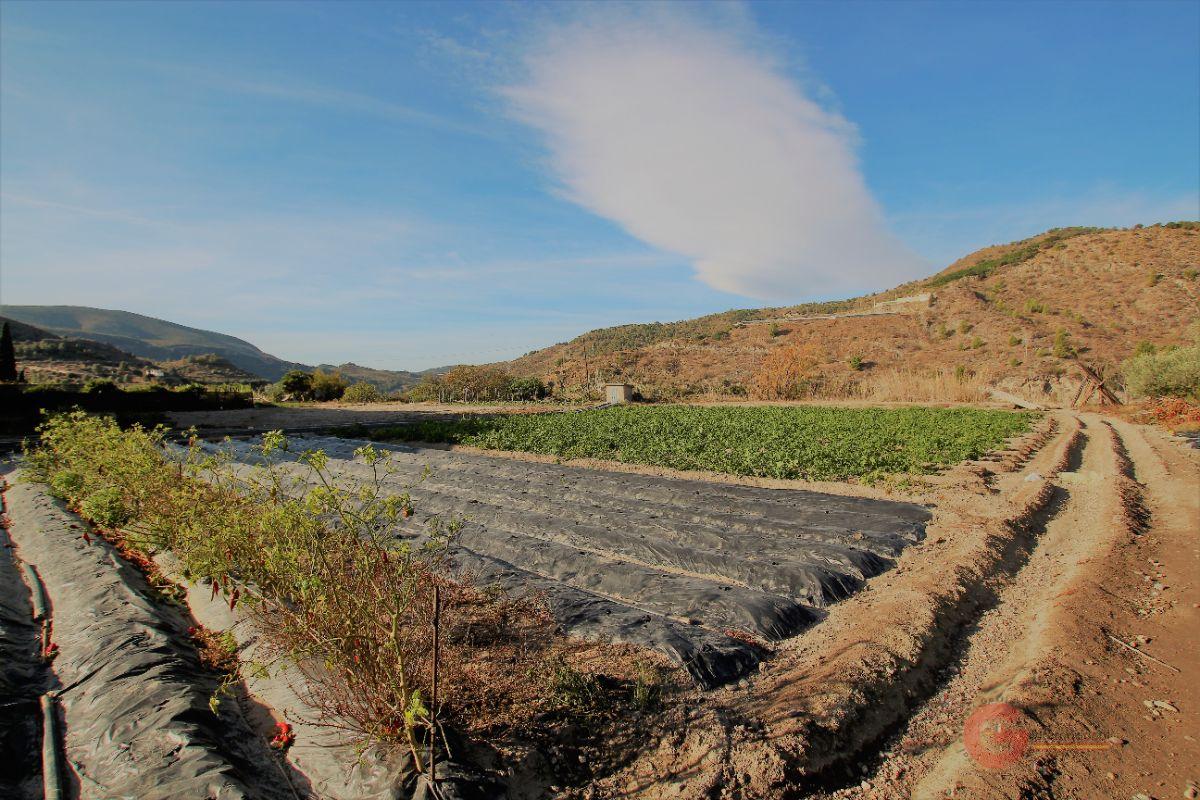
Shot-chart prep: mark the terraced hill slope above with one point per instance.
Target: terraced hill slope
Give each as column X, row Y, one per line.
column 997, row 313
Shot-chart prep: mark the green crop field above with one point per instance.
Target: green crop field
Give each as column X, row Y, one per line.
column 814, row 443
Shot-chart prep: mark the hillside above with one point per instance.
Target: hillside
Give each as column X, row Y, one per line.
column 210, row 368
column 148, row 337
column 386, row 380
column 189, row 352
column 993, row 317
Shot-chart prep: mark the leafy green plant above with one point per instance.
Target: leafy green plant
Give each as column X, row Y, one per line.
column 327, row 385
column 815, row 443
column 856, row 363
column 297, row 383
column 319, row 561
column 362, row 392
column 107, row 507
column 1170, row 373
column 67, row 484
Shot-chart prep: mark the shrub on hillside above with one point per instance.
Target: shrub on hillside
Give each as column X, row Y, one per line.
column 1062, row 344
column 785, row 374
column 1170, row 373
column 362, row 392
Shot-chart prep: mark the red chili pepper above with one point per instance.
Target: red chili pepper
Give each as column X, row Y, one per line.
column 284, row 736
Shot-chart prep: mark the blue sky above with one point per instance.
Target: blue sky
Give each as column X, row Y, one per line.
column 406, row 185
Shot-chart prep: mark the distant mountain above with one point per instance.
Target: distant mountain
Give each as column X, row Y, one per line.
column 149, row 337
column 385, row 380
column 193, row 353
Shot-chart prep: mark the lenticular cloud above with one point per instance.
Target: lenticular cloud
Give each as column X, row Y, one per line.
column 696, row 144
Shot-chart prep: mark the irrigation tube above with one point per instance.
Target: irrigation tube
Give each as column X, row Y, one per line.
column 51, row 771
column 38, row 591
column 51, row 774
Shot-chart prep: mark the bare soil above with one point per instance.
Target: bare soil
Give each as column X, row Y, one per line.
column 1065, row 587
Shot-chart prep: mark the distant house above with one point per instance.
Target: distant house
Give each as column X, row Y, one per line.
column 618, row 392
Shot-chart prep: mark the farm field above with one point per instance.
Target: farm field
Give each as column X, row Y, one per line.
column 787, row 442
column 625, row 618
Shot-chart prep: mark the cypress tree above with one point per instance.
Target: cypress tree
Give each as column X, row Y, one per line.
column 8, row 357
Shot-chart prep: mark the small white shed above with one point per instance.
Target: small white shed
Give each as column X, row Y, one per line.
column 618, row 392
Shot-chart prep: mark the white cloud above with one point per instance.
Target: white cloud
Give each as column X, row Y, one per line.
column 694, row 141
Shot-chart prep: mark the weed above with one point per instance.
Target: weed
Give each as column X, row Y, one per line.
column 571, row 688
column 647, row 688
column 1062, row 344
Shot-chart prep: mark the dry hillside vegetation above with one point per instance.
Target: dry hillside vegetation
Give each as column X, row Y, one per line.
column 1013, row 316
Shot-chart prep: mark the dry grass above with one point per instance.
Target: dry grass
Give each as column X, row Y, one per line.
column 921, row 387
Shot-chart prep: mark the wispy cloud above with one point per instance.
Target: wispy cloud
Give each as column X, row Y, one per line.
column 697, row 143
column 72, row 208
column 294, row 90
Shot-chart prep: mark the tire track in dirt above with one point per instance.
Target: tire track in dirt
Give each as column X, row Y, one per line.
column 1030, row 650
column 997, row 651
column 829, row 696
